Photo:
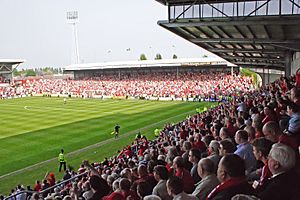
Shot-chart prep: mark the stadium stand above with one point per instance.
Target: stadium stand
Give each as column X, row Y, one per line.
column 134, row 172
column 140, row 85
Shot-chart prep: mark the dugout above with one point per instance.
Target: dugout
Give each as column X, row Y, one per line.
column 259, row 34
column 90, row 70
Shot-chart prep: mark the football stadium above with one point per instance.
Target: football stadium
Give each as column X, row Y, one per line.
column 207, row 128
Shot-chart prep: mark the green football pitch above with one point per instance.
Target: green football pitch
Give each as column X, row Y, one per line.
column 33, row 130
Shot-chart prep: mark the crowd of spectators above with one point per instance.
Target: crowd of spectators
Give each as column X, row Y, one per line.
column 247, row 148
column 182, row 85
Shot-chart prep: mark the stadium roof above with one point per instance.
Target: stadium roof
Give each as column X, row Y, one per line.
column 255, row 37
column 149, row 63
column 172, row 2
column 11, row 61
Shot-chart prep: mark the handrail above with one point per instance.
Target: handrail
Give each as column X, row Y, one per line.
column 46, row 190
column 13, row 196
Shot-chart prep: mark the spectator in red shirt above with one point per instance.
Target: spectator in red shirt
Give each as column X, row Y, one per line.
column 37, row 187
column 51, row 179
column 181, row 172
column 261, row 150
column 270, row 115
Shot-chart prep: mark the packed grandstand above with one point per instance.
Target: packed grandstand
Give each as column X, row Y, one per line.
column 138, row 85
column 246, row 147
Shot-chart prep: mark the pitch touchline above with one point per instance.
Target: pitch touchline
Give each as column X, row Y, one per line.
column 87, row 148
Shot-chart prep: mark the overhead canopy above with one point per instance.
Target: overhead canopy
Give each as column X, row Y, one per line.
column 11, row 61
column 149, row 64
column 6, row 65
column 252, row 37
column 176, row 2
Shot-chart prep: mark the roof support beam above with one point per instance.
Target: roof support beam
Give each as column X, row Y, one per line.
column 259, row 64
column 203, row 32
column 245, row 41
column 239, row 31
column 215, row 32
column 229, row 50
column 186, row 31
column 252, row 58
column 290, row 20
column 266, row 31
column 266, row 67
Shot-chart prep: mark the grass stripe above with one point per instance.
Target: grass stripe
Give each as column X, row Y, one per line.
column 28, row 137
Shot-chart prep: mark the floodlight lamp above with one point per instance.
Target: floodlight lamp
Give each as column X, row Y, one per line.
column 72, row 17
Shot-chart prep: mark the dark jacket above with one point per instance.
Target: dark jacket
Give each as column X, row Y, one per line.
column 285, row 186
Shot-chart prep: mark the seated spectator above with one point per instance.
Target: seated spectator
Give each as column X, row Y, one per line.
column 51, row 179
column 152, row 197
column 99, row 187
column 213, row 153
column 293, row 111
column 87, row 191
column 270, row 115
column 194, row 157
column 175, row 189
column 143, row 189
column 273, row 133
column 126, row 191
column 114, row 196
column 295, row 95
column 284, row 183
column 226, row 147
column 161, row 160
column 81, row 169
column 261, row 149
column 231, row 174
column 209, row 179
column 251, row 133
column 187, row 146
column 224, row 133
column 244, row 150
column 230, row 125
column 67, row 175
column 144, row 177
column 240, row 123
column 161, row 175
column 45, row 186
column 258, row 125
column 37, row 187
column 199, row 144
column 181, row 172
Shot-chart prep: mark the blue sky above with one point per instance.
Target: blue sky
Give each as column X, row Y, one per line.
column 37, row 31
